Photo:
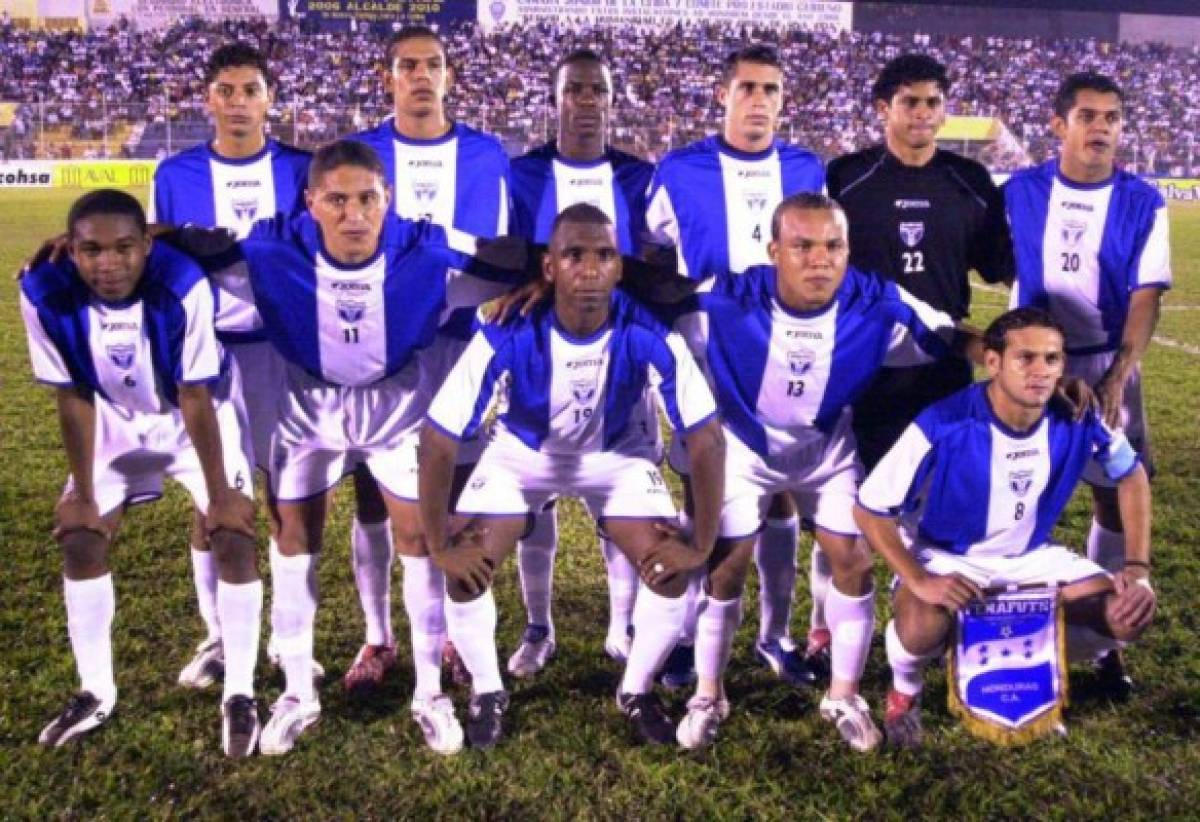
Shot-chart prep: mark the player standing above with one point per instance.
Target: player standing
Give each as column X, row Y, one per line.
column 922, row 217
column 576, row 374
column 124, row 332
column 980, row 479
column 1092, row 248
column 240, row 176
column 578, row 167
column 713, row 202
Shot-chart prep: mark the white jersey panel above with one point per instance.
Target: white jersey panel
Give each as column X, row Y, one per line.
column 121, row 357
column 1155, row 265
column 592, row 185
column 578, row 378
column 243, row 193
column 48, row 364
column 794, row 379
column 425, row 181
column 1020, row 470
column 1075, row 222
column 903, row 348
column 351, row 323
column 753, row 188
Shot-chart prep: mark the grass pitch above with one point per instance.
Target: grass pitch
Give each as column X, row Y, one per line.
column 569, row 754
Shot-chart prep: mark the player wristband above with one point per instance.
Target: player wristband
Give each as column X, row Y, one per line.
column 1137, row 563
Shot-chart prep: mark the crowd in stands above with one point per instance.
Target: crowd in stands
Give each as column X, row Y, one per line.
column 83, row 87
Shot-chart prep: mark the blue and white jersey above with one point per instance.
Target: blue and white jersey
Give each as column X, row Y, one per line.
column 459, row 180
column 784, row 378
column 544, row 184
column 135, row 353
column 200, row 187
column 971, row 485
column 1081, row 250
column 567, row 395
column 714, row 203
column 356, row 324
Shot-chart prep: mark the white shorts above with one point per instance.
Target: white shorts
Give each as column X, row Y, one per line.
column 263, row 387
column 1091, row 367
column 1048, row 564
column 823, row 480
column 327, row 430
column 513, row 480
column 135, row 451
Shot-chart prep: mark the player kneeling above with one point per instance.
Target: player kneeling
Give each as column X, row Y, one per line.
column 979, row 480
column 124, row 333
column 578, row 421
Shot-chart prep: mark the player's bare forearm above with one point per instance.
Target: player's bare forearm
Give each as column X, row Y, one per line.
column 883, row 535
column 200, row 420
column 434, row 481
column 77, row 422
column 1134, row 503
column 968, row 342
column 706, row 454
column 1145, row 305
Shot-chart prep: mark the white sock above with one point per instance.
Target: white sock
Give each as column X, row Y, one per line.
column 622, row 590
column 1087, row 645
column 851, row 621
column 371, row 554
column 1106, row 548
column 907, row 667
column 535, row 564
column 91, row 604
column 657, row 621
column 472, row 628
column 775, row 556
column 820, row 580
column 424, row 602
column 204, row 575
column 240, row 609
column 293, row 611
column 717, row 626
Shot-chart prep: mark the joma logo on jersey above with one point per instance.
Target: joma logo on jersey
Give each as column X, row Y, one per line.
column 748, row 173
column 351, row 311
column 904, row 205
column 357, row 287
column 592, row 363
column 911, row 233
column 424, row 163
column 425, row 190
column 1020, row 481
column 243, row 184
column 119, row 325
column 583, row 390
column 1072, row 232
column 585, row 181
column 121, row 354
column 245, row 210
column 1070, row 206
column 800, row 361
column 1017, row 455
column 799, row 334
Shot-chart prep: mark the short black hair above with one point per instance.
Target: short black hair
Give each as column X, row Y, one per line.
column 576, row 56
column 760, row 54
column 908, row 70
column 106, row 201
column 237, row 55
column 580, row 213
column 1064, row 98
column 411, row 33
column 804, row 201
column 995, row 338
column 343, row 153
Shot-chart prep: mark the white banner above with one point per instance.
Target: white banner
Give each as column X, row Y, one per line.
column 157, row 14
column 815, row 15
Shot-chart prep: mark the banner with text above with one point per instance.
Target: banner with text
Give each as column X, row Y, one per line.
column 343, row 15
column 81, row 174
column 158, row 14
column 815, row 15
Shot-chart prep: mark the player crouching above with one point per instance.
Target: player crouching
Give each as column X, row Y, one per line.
column 578, row 421
column 123, row 330
column 980, row 479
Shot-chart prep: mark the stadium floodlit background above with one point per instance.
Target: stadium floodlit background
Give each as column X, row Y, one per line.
column 92, row 92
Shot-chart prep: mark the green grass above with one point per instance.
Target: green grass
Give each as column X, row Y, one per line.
column 569, row 754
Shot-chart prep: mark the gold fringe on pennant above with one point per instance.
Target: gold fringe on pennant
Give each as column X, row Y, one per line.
column 1051, row 721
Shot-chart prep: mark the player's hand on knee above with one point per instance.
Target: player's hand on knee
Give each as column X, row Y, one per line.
column 465, row 561
column 73, row 513
column 231, row 510
column 51, row 250
column 952, row 591
column 1078, row 397
column 672, row 554
column 1135, row 602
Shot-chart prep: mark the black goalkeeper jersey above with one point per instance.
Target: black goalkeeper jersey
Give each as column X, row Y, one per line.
column 924, row 227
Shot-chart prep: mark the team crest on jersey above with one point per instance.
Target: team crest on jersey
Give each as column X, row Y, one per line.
column 351, row 311
column 245, row 210
column 1072, row 232
column 756, row 200
column 800, row 361
column 584, row 391
column 1019, row 482
column 121, row 354
column 424, row 190
column 911, row 233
